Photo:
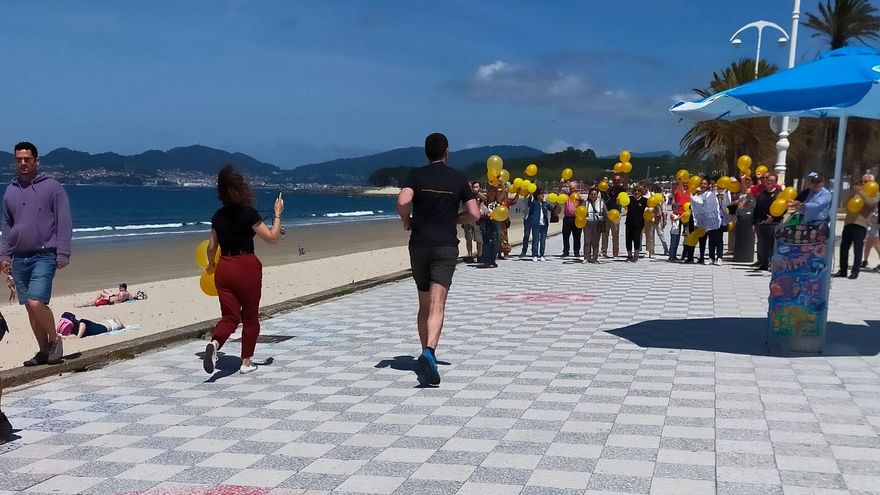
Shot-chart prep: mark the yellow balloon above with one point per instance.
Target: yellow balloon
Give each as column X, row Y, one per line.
column 694, row 181
column 532, row 188
column 734, row 186
column 580, row 222
column 580, row 211
column 562, row 199
column 778, row 208
column 567, row 173
column 495, row 164
column 682, row 174
column 870, row 189
column 603, row 186
column 552, row 198
column 855, row 204
column 517, row 182
column 206, row 282
column 687, row 206
column 623, row 200
column 614, row 215
column 788, row 194
column 686, row 217
column 648, row 215
column 505, row 176
column 731, row 226
column 618, row 167
column 744, row 162
column 723, row 182
column 500, row 213
column 653, row 202
column 700, row 232
column 624, row 156
column 523, row 192
column 575, row 197
column 761, row 170
column 531, row 170
column 511, row 189
column 202, row 254
column 627, row 167
column 691, row 240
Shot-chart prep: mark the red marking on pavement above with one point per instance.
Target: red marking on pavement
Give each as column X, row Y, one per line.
column 545, row 298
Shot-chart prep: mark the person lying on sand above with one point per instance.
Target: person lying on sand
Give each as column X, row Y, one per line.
column 68, row 327
column 109, row 296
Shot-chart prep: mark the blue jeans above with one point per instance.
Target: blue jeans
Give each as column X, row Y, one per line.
column 673, row 244
column 491, row 232
column 539, row 239
column 33, row 274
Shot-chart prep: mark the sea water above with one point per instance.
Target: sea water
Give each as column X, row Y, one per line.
column 117, row 213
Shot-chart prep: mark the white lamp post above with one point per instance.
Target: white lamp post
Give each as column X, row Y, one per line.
column 783, row 126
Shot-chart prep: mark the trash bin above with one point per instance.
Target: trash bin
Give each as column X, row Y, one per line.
column 744, row 244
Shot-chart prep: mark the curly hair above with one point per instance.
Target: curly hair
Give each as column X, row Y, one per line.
column 232, row 188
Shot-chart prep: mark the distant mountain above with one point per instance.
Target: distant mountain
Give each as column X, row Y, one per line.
column 191, row 158
column 356, row 170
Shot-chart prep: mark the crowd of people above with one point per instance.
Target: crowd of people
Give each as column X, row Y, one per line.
column 703, row 213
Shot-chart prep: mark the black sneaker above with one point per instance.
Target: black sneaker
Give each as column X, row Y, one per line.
column 853, row 275
column 429, row 365
column 5, row 428
column 55, row 352
column 39, row 358
column 209, row 361
column 865, row 264
column 839, row 275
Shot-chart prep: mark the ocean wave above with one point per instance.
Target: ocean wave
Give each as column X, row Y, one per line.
column 350, row 214
column 93, row 229
column 138, row 234
column 150, row 226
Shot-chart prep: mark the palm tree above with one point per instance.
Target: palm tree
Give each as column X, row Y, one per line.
column 847, row 20
column 722, row 141
column 840, row 24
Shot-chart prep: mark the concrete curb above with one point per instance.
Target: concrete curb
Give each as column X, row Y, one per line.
column 100, row 357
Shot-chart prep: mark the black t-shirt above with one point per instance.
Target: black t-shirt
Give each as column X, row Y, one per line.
column 439, row 192
column 235, row 228
column 762, row 207
column 635, row 212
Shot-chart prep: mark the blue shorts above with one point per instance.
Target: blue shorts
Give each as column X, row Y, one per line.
column 33, row 274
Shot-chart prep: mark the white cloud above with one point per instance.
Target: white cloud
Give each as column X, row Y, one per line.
column 538, row 84
column 684, row 97
column 471, row 145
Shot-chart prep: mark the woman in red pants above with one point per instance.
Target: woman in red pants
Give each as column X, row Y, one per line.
column 239, row 273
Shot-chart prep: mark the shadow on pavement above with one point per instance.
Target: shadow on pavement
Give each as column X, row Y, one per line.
column 408, row 363
column 744, row 336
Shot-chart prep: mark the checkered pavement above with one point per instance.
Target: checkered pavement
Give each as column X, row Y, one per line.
column 561, row 378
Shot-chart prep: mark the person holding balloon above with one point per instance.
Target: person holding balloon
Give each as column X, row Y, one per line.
column 538, row 221
column 860, row 207
column 767, row 216
column 238, row 275
column 635, row 221
column 815, row 202
column 569, row 230
column 611, row 229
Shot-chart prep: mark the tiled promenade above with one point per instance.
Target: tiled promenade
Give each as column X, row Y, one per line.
column 562, row 378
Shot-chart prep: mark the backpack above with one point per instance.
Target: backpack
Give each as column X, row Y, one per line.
column 65, row 324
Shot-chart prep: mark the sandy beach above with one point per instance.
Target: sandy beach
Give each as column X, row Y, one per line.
column 165, row 269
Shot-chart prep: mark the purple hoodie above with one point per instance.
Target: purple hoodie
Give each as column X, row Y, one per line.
column 36, row 216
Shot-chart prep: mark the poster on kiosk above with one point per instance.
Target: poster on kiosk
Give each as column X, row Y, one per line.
column 798, row 287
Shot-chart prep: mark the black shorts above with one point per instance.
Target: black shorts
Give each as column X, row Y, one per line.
column 433, row 265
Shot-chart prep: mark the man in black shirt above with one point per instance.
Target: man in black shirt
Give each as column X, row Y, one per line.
column 765, row 223
column 434, row 193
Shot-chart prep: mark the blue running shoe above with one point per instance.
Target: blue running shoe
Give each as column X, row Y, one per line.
column 429, row 364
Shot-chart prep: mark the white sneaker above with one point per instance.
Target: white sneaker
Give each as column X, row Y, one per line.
column 718, row 262
column 248, row 369
column 534, row 258
column 543, row 258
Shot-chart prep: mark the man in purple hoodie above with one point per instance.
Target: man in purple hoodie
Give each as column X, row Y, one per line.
column 35, row 242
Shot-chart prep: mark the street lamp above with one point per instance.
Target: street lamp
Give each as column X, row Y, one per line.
column 785, row 125
column 759, row 25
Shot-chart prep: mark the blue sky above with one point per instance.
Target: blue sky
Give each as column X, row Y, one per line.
column 297, row 82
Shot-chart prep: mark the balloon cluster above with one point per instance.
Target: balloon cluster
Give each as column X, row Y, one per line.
column 856, row 203
column 780, row 204
column 694, row 237
column 206, row 281
column 495, row 171
column 623, row 166
column 686, row 216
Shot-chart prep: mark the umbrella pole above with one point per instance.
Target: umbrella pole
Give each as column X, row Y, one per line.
column 835, row 201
